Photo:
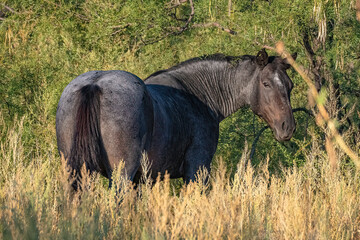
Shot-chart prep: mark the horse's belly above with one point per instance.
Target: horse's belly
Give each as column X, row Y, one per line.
column 168, row 148
column 166, row 158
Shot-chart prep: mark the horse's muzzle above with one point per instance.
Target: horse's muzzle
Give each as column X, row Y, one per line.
column 285, row 130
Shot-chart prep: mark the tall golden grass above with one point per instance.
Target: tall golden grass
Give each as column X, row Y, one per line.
column 319, row 200
column 309, row 202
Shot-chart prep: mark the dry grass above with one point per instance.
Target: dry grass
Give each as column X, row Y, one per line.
column 315, row 201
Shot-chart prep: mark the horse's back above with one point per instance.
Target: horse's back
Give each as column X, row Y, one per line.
column 125, row 114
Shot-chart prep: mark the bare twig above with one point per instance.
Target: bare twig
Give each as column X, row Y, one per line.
column 120, row 28
column 253, row 146
column 215, row 24
column 175, row 5
column 316, row 62
column 265, row 46
column 300, row 109
column 229, row 8
column 189, row 19
column 182, row 29
column 9, row 9
column 173, row 15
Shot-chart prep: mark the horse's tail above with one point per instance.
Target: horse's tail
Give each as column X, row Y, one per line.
column 87, row 145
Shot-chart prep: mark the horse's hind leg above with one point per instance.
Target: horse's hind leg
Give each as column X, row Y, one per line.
column 125, row 120
column 125, row 135
column 121, row 147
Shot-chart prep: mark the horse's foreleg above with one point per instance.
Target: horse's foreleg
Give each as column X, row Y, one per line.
column 197, row 164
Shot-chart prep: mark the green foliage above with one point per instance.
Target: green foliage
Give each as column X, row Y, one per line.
column 45, row 44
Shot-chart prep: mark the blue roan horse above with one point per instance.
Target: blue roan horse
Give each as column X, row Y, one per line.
column 104, row 117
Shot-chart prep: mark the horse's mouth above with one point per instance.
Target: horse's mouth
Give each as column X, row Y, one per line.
column 283, row 139
column 283, row 136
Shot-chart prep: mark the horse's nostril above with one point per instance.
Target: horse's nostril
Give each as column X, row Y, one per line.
column 283, row 126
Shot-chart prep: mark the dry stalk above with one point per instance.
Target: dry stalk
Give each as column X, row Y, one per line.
column 324, row 115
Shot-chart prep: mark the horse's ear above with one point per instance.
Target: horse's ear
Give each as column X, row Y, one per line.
column 262, row 58
column 286, row 61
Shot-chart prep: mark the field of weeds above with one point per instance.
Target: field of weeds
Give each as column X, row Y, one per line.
column 315, row 201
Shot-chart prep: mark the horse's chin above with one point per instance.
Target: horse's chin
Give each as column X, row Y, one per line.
column 283, row 139
column 280, row 136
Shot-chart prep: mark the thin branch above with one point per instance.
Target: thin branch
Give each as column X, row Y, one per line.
column 253, row 146
column 173, row 15
column 316, row 62
column 303, row 110
column 265, row 46
column 323, row 113
column 171, row 6
column 229, row 8
column 182, row 29
column 120, row 28
column 215, row 24
column 189, row 19
column 9, row 9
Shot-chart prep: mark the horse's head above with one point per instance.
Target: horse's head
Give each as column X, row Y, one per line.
column 271, row 98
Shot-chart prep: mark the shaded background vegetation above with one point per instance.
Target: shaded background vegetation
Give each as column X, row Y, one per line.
column 45, row 44
column 303, row 189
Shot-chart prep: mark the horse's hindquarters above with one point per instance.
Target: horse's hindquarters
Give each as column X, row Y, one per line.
column 126, row 122
column 125, row 117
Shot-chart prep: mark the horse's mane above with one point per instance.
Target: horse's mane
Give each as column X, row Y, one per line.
column 218, row 57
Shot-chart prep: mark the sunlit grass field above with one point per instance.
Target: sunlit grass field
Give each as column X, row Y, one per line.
column 315, row 201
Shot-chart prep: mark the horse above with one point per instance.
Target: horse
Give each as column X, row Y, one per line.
column 104, row 117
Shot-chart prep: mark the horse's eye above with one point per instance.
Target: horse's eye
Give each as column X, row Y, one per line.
column 266, row 84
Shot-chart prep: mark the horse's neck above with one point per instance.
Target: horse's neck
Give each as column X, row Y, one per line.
column 222, row 87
